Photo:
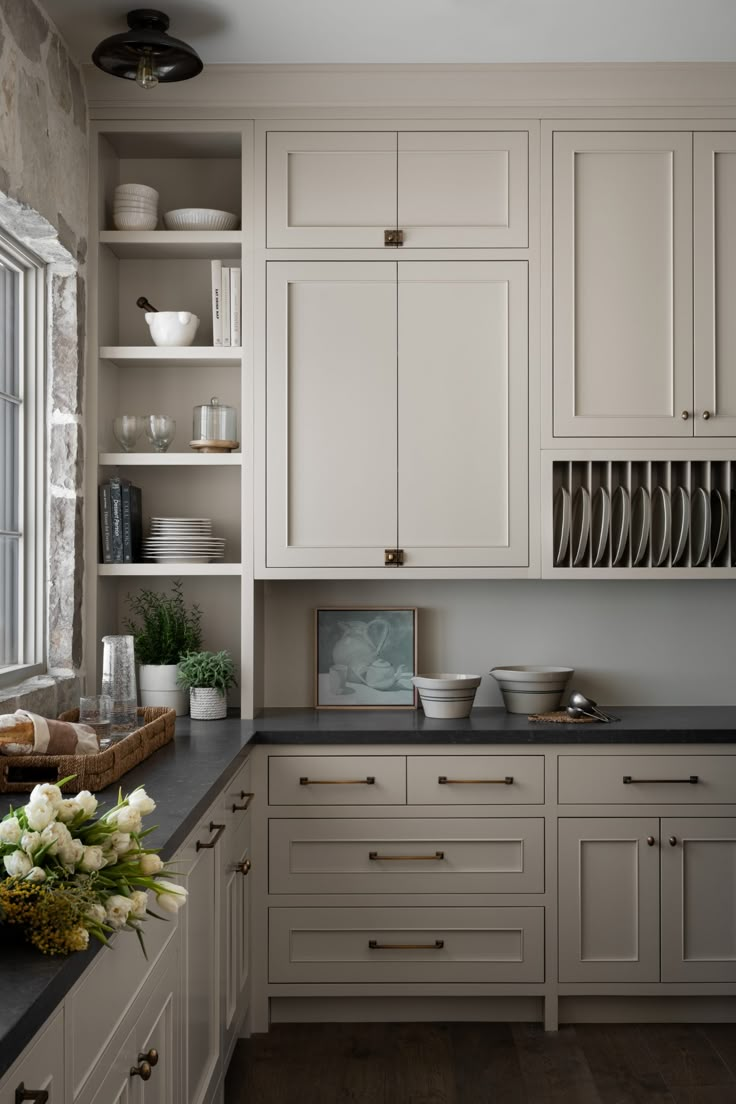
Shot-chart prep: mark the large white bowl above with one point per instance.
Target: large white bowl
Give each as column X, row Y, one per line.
column 143, row 190
column 134, row 220
column 169, row 328
column 532, row 689
column 449, row 696
column 200, row 218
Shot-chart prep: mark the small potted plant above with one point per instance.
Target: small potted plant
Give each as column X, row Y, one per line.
column 164, row 630
column 207, row 676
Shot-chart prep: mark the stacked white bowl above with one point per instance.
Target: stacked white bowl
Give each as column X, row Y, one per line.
column 135, row 207
column 448, row 696
column 532, row 689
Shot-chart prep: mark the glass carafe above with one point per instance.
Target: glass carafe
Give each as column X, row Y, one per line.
column 118, row 682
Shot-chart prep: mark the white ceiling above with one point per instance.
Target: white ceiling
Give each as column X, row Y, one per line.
column 428, row 31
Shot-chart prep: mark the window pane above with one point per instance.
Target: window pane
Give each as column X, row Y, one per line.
column 9, row 358
column 9, row 469
column 8, row 601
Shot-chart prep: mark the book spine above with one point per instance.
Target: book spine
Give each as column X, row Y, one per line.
column 127, row 532
column 116, row 512
column 136, row 524
column 217, row 302
column 226, row 306
column 235, row 325
column 105, row 523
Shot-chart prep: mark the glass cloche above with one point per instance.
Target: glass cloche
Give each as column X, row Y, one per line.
column 215, row 427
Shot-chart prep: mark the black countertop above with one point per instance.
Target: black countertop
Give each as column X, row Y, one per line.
column 186, row 775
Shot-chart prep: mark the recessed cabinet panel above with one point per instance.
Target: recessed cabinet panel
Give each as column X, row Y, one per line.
column 330, row 189
column 337, row 780
column 475, row 779
column 714, row 212
column 647, row 779
column 331, row 413
column 462, row 413
column 622, row 284
column 466, row 188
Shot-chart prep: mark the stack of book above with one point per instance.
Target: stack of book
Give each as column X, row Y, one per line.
column 121, row 522
column 225, row 305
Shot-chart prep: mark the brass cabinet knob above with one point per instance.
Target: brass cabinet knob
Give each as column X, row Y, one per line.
column 143, row 1071
column 673, row 841
column 243, row 867
column 685, row 415
column 706, row 415
column 151, row 1057
column 651, row 841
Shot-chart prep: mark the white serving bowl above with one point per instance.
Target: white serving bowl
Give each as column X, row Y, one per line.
column 531, row 689
column 142, row 190
column 172, row 327
column 134, row 205
column 200, row 218
column 447, row 695
column 134, row 220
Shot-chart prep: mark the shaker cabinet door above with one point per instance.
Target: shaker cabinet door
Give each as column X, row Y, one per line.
column 622, row 284
column 331, row 413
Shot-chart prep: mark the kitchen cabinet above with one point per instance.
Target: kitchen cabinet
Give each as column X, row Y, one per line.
column 397, row 413
column 235, row 919
column 40, row 1070
column 337, row 189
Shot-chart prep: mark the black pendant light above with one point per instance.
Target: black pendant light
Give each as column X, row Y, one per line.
column 145, row 53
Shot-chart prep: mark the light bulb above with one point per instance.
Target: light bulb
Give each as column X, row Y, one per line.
column 146, row 76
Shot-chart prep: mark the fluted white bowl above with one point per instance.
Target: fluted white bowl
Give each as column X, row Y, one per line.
column 134, row 220
column 200, row 218
column 137, row 190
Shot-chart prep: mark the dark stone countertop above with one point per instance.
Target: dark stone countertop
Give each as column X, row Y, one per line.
column 186, row 775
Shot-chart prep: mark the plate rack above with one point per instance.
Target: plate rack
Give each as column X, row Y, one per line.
column 715, row 477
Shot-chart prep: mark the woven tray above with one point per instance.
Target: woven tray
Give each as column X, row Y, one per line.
column 560, row 716
column 20, row 773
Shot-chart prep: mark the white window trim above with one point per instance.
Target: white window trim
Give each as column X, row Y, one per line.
column 32, row 455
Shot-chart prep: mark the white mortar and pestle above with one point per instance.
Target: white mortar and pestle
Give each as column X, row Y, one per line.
column 169, row 328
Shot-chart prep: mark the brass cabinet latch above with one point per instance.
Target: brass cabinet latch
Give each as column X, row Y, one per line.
column 393, row 557
column 393, row 237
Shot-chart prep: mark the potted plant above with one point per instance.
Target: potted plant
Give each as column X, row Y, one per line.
column 207, row 676
column 164, row 629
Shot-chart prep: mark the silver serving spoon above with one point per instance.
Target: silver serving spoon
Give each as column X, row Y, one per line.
column 576, row 713
column 589, row 707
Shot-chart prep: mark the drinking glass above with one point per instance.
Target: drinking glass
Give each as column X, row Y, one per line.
column 94, row 711
column 127, row 429
column 160, row 430
column 118, row 683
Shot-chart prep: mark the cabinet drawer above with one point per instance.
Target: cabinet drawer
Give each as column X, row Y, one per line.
column 647, row 779
column 475, row 780
column 337, row 780
column 406, row 944
column 483, row 855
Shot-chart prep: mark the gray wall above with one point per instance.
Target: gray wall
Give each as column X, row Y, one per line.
column 634, row 643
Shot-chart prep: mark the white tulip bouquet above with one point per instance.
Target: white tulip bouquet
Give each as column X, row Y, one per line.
column 65, row 876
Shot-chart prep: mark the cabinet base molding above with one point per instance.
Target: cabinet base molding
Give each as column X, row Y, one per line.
column 415, row 1009
column 664, row 1009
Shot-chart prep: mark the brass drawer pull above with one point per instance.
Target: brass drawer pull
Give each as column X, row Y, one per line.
column 438, row 944
column 143, row 1071
column 369, row 781
column 39, row 1096
column 218, row 829
column 375, row 857
column 691, row 781
column 150, row 1056
column 248, row 798
column 507, row 781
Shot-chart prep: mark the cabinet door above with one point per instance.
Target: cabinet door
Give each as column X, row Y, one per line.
column 118, row 1087
column 331, row 413
column 41, row 1069
column 235, row 932
column 609, row 899
column 463, row 487
column 699, row 899
column 622, row 284
column 330, row 188
column 714, row 292
column 158, row 1031
column 463, row 188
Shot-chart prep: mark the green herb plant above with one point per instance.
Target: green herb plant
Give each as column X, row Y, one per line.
column 207, row 670
column 164, row 628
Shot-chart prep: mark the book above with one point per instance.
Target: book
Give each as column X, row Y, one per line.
column 226, row 305
column 217, row 302
column 235, row 328
column 105, row 523
column 136, row 524
column 125, row 498
column 116, row 513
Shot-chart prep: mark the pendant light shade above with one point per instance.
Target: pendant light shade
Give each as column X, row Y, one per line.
column 145, row 53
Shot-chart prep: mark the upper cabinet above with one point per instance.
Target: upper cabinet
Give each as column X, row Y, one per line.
column 419, row 189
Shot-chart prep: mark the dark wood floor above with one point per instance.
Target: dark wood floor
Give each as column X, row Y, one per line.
column 485, row 1064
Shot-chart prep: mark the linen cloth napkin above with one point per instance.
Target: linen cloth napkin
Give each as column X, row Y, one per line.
column 25, row 733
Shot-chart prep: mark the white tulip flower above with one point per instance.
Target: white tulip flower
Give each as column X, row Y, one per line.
column 39, row 814
column 10, row 830
column 92, row 859
column 140, row 800
column 30, row 842
column 139, row 901
column 87, row 802
column 55, row 836
column 150, row 864
column 46, row 792
column 36, row 874
column 71, row 853
column 17, row 864
column 170, row 896
column 97, row 914
column 126, row 819
column 67, row 810
column 117, row 910
column 119, row 841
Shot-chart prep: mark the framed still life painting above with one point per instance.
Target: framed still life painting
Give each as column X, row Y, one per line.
column 365, row 657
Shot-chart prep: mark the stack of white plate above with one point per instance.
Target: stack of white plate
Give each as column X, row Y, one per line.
column 135, row 207
column 182, row 540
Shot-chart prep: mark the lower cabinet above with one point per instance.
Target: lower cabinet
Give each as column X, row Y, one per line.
column 40, row 1070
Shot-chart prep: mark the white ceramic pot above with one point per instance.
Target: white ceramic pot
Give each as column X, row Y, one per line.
column 172, row 327
column 206, row 704
column 450, row 696
column 158, row 687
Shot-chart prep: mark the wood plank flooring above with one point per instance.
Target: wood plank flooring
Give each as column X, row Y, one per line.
column 475, row 1063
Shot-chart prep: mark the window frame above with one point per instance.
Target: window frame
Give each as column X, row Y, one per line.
column 32, row 462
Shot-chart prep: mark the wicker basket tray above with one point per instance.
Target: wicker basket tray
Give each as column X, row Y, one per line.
column 20, row 773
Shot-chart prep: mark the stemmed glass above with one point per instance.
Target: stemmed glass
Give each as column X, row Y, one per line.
column 127, row 428
column 160, row 430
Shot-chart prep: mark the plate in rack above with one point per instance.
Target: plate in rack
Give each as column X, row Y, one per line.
column 680, row 523
column 620, row 523
column 580, row 529
column 718, row 523
column 661, row 526
column 561, row 524
column 601, row 524
column 700, row 525
column 641, row 522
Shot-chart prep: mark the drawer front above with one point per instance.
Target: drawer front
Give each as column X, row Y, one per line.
column 406, row 944
column 647, row 779
column 475, row 780
column 337, row 780
column 483, row 855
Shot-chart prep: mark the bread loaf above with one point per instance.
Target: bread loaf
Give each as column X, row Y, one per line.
column 16, row 735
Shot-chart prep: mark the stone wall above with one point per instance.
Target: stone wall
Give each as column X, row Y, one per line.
column 43, row 203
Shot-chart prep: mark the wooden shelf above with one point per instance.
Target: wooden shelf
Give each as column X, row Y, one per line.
column 173, row 244
column 153, row 569
column 171, row 459
column 197, row 356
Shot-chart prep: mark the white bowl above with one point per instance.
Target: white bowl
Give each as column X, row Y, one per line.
column 134, row 220
column 137, row 190
column 134, row 205
column 172, row 327
column 529, row 689
column 449, row 696
column 200, row 218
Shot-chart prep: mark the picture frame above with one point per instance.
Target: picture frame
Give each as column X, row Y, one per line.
column 365, row 657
